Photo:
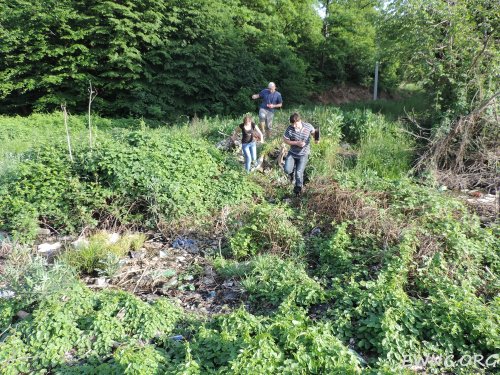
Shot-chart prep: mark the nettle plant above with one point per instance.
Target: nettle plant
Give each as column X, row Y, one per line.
column 265, row 228
column 139, row 177
column 74, row 326
column 287, row 342
column 273, row 280
column 433, row 292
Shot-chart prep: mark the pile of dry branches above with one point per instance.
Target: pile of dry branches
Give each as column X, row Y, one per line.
column 467, row 156
column 365, row 209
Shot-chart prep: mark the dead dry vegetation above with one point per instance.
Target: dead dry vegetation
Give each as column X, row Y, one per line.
column 468, row 155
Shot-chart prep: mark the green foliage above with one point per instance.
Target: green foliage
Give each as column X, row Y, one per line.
column 129, row 177
column 75, row 324
column 274, row 280
column 266, row 228
column 140, row 359
column 385, row 149
column 333, row 253
column 8, row 308
column 100, row 254
column 228, row 268
column 27, row 276
column 174, row 176
column 13, row 353
column 356, row 124
column 349, row 50
column 288, row 342
column 44, row 189
column 448, row 47
column 429, row 294
column 153, row 58
column 411, row 273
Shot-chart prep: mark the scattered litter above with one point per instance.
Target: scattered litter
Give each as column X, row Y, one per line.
column 208, row 280
column 230, row 296
column 80, row 243
column 7, row 294
column 153, row 245
column 49, row 247
column 113, row 238
column 475, row 193
column 187, row 244
column 487, row 199
column 101, row 282
column 315, row 231
column 22, row 314
column 158, row 270
column 4, row 236
column 177, row 338
column 43, row 232
column 211, row 294
column 137, row 254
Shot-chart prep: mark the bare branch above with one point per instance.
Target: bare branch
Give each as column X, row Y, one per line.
column 92, row 96
column 65, row 115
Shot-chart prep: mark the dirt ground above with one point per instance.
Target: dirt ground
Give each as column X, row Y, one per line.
column 348, row 93
column 183, row 274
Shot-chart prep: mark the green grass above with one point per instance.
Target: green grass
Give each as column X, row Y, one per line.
column 410, row 100
column 386, row 150
column 100, row 252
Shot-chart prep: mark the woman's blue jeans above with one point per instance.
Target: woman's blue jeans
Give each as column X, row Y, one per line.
column 250, row 154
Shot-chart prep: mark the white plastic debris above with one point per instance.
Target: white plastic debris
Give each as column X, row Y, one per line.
column 100, row 281
column 7, row 294
column 80, row 243
column 43, row 232
column 49, row 247
column 113, row 238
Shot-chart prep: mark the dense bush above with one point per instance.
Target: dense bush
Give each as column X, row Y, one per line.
column 266, row 228
column 356, row 123
column 274, row 280
column 75, row 324
column 286, row 343
column 396, row 269
column 385, row 149
column 134, row 177
column 155, row 59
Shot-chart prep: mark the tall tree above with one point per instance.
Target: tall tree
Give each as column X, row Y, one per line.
column 349, row 48
column 450, row 46
column 41, row 54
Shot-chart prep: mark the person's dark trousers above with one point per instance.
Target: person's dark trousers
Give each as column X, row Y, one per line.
column 299, row 163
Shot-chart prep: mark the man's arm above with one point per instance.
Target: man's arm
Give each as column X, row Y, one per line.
column 257, row 96
column 279, row 104
column 293, row 143
column 286, row 139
